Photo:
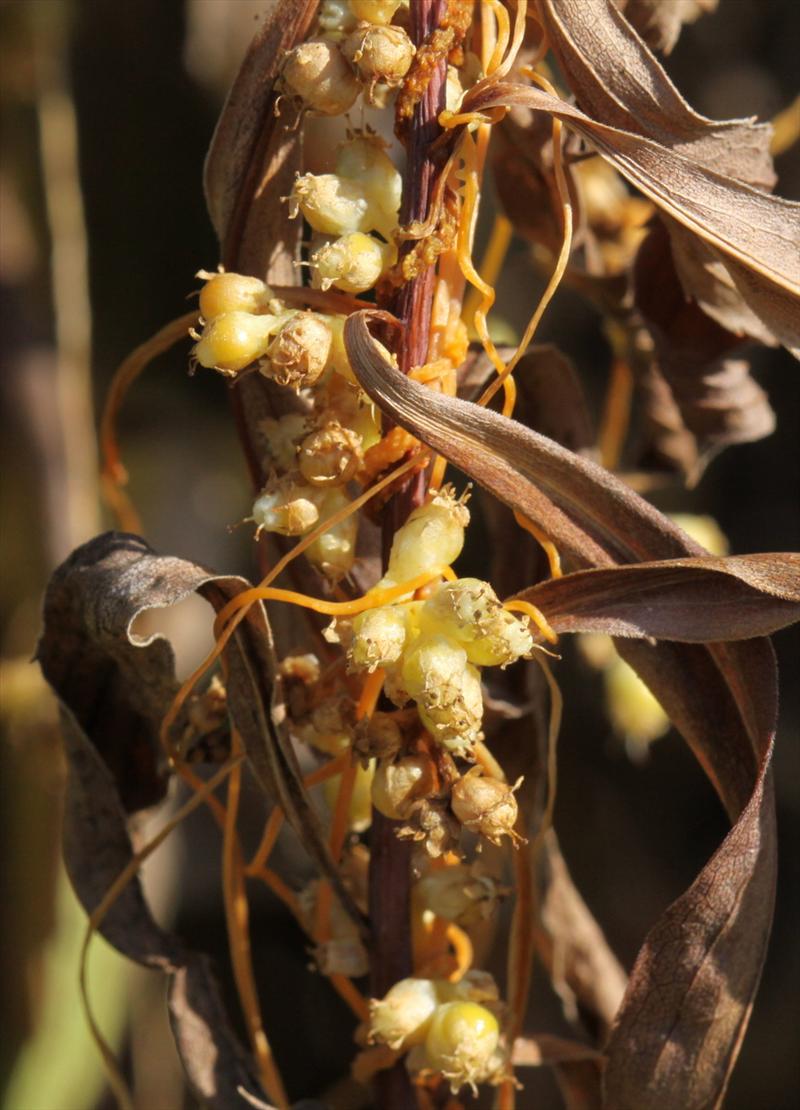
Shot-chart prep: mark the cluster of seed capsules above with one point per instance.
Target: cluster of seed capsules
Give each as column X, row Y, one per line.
column 428, row 644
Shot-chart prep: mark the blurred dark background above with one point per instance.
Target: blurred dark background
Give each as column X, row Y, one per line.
column 107, row 110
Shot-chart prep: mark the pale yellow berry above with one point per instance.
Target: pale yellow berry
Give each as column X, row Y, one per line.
column 234, row 340
column 447, row 690
column 317, row 73
column 330, row 456
column 432, row 536
column 378, row 638
column 379, row 53
column 470, row 612
column 352, row 263
column 364, row 159
column 229, row 292
column 299, row 352
column 485, row 806
column 398, row 785
column 334, row 552
column 461, row 1041
column 331, row 204
column 376, row 11
column 401, row 1018
column 287, row 506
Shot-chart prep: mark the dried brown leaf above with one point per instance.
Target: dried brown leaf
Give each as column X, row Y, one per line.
column 616, row 79
column 660, row 24
column 119, row 687
column 97, row 848
column 688, row 600
column 585, row 972
column 722, row 696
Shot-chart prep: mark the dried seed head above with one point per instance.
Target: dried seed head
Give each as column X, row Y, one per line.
column 461, row 1041
column 376, row 11
column 379, row 53
column 317, row 73
column 433, row 826
column 334, row 714
column 447, row 690
column 299, row 353
column 462, row 893
column 401, row 1018
column 377, row 737
column 470, row 612
column 287, row 505
column 334, row 552
column 332, row 205
column 353, row 263
column 234, row 340
column 378, row 638
column 432, row 536
column 330, row 456
column 229, row 292
column 398, row 786
column 485, row 806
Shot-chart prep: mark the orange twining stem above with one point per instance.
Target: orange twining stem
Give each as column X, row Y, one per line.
column 114, row 474
column 371, row 600
column 388, row 450
column 370, row 692
column 462, row 949
column 550, row 549
column 503, row 33
column 536, row 615
column 563, row 255
column 187, row 687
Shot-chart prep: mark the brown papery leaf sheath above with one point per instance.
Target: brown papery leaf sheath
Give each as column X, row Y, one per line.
column 709, row 946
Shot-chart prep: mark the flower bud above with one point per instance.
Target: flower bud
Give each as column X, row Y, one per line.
column 334, row 552
column 286, row 506
column 485, row 806
column 282, row 437
column 317, row 73
column 461, row 893
column 227, row 292
column 401, row 1018
column 330, row 456
column 447, row 690
column 377, row 737
column 470, row 612
column 331, row 204
column 234, row 340
column 461, row 1041
column 398, row 785
column 379, row 53
column 353, row 263
column 335, row 18
column 375, row 11
column 299, row 353
column 364, row 159
column 378, row 638
column 432, row 536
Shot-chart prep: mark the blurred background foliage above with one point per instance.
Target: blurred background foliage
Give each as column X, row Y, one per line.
column 107, row 110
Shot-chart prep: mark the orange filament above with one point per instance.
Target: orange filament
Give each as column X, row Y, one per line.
column 536, row 615
column 616, row 414
column 550, row 549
